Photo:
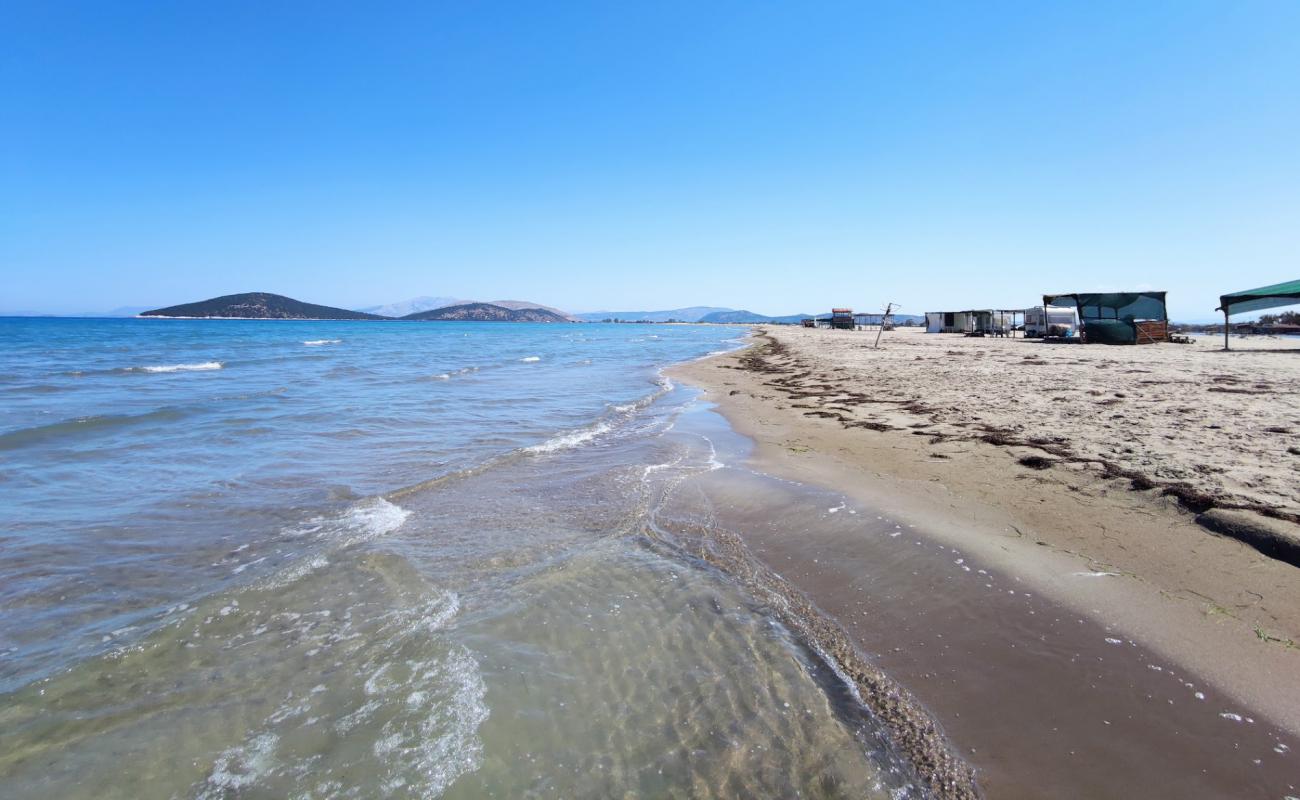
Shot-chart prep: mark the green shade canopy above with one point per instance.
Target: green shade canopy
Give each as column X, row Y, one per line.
column 1279, row 294
column 1113, row 305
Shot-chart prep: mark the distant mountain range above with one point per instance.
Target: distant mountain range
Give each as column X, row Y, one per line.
column 691, row 314
column 257, row 305
column 714, row 314
column 742, row 316
column 123, row 311
column 413, row 306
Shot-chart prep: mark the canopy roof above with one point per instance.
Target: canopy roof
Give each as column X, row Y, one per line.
column 1113, row 305
column 1279, row 294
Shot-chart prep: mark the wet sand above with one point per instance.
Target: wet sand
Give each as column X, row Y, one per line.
column 1110, row 645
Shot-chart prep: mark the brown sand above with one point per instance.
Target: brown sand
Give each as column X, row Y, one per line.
column 944, row 432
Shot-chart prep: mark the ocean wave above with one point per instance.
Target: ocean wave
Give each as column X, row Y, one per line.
column 446, row 376
column 82, row 426
column 571, row 439
column 531, row 359
column 362, row 522
column 617, row 414
column 319, row 342
column 199, row 367
column 373, row 518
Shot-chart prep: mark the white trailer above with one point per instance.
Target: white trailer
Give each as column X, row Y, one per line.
column 1043, row 321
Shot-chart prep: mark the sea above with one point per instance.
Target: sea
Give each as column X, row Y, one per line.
column 244, row 558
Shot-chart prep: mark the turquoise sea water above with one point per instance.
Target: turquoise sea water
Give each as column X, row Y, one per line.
column 380, row 559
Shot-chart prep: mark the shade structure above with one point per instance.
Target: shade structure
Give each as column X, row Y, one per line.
column 1113, row 305
column 1117, row 317
column 1279, row 294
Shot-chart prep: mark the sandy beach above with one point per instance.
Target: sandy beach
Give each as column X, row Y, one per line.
column 1098, row 479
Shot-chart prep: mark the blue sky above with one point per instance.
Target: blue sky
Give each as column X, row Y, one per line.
column 782, row 157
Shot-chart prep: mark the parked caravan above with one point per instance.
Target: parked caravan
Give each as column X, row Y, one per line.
column 1043, row 321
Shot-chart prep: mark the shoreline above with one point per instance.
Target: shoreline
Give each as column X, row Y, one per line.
column 1137, row 564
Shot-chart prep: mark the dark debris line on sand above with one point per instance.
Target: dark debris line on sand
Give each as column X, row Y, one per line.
column 1218, row 513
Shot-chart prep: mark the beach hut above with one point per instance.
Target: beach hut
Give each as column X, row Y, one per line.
column 1275, row 296
column 1118, row 317
column 980, row 322
column 994, row 321
column 842, row 318
column 948, row 322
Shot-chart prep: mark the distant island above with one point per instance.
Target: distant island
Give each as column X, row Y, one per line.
column 407, row 308
column 264, row 305
column 257, row 305
column 487, row 312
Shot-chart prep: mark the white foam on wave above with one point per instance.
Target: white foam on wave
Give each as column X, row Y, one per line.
column 241, row 766
column 622, row 411
column 321, row 342
column 362, row 522
column 446, row 376
column 531, row 359
column 714, row 463
column 570, row 439
column 371, row 519
column 665, row 386
column 201, row 367
column 421, row 705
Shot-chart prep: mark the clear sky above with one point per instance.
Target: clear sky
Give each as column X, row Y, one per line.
column 781, row 157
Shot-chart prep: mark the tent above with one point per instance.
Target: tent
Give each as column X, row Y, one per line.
column 1118, row 317
column 1279, row 294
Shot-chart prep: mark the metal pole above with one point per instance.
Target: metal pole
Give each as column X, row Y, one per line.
column 1225, row 329
column 888, row 306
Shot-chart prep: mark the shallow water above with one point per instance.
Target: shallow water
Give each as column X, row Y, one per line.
column 132, row 482
column 1042, row 701
column 383, row 560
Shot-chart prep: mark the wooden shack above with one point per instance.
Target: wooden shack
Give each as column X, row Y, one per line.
column 842, row 319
